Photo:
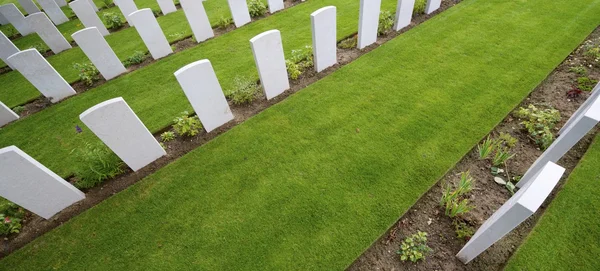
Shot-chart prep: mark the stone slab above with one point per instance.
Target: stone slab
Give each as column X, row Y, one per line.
column 95, row 47
column 88, row 17
column 270, row 62
column 7, row 48
column 151, row 33
column 53, row 11
column 404, row 12
column 16, row 18
column 275, row 5
column 41, row 24
column 368, row 22
column 432, row 6
column 126, row 7
column 29, row 6
column 324, row 37
column 239, row 12
column 6, row 115
column 166, row 6
column 198, row 20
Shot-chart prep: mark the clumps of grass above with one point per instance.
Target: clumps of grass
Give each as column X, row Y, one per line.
column 507, row 139
column 112, row 20
column 502, row 155
column 136, row 58
column 177, row 36
column 257, row 8
column 419, row 7
column 486, row 148
column 499, row 146
column 96, row 163
column 299, row 62
column 349, row 43
column 539, row 123
column 107, row 3
column 455, row 202
column 244, row 91
column 414, row 248
column 156, row 12
column 585, row 83
column 224, row 22
column 184, row 125
column 386, row 22
column 40, row 47
column 463, row 230
column 579, row 70
column 167, row 136
column 11, row 216
column 87, row 73
column 18, row 109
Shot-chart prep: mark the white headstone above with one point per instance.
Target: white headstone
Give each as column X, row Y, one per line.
column 40, row 23
column 127, row 7
column 31, row 185
column 582, row 109
column 404, row 12
column 578, row 129
column 275, row 5
column 95, row 47
column 87, row 15
column 93, row 5
column 166, row 6
column 151, row 33
column 16, row 18
column 196, row 16
column 324, row 37
column 29, row 6
column 34, row 67
column 432, row 6
column 123, row 132
column 239, row 12
column 3, row 19
column 7, row 48
column 54, row 12
column 270, row 62
column 6, row 115
column 202, row 88
column 512, row 213
column 61, row 3
column 368, row 22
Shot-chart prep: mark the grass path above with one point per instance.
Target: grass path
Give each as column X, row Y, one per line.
column 299, row 187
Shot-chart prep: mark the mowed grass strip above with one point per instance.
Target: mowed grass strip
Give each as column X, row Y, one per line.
column 567, row 236
column 311, row 182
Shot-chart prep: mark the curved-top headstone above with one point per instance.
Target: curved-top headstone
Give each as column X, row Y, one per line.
column 40, row 23
column 324, row 37
column 86, row 14
column 7, row 48
column 275, row 5
column 95, row 47
column 196, row 16
column 126, row 7
column 123, row 132
column 16, row 18
column 29, row 6
column 151, row 33
column 432, row 6
column 270, row 62
column 368, row 22
column 33, row 186
column 54, row 12
column 34, row 67
column 166, row 6
column 6, row 115
column 202, row 88
column 404, row 11
column 239, row 12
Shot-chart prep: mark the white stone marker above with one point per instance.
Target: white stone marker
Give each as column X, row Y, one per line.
column 432, row 6
column 578, row 129
column 127, row 7
column 61, row 3
column 270, row 62
column 93, row 5
column 88, row 16
column 197, row 18
column 34, row 67
column 16, row 18
column 404, row 12
column 6, row 115
column 7, row 48
column 202, row 88
column 582, row 109
column 512, row 213
column 324, row 37
column 368, row 22
column 29, row 6
column 54, row 12
column 239, row 12
column 33, row 186
column 166, row 6
column 275, row 5
column 3, row 19
column 123, row 132
column 95, row 47
column 151, row 33
column 40, row 23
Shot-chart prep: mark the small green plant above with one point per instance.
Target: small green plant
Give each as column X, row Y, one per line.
column 386, row 22
column 10, row 32
column 486, row 148
column 112, row 20
column 177, row 36
column 244, row 91
column 502, row 155
column 185, row 125
column 10, row 217
column 579, row 70
column 40, row 47
column 463, row 230
column 167, row 136
column 539, row 123
column 156, row 12
column 88, row 73
column 107, row 3
column 96, row 163
column 419, row 7
column 224, row 22
column 257, row 8
column 508, row 140
column 136, row 58
column 592, row 51
column 586, row 83
column 510, row 187
column 299, row 62
column 454, row 202
column 18, row 109
column 414, row 248
column 349, row 43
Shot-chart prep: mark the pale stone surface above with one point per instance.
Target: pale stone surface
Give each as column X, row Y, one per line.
column 87, row 15
column 239, row 12
column 582, row 109
column 324, row 37
column 16, row 18
column 7, row 48
column 404, row 12
column 127, row 7
column 166, row 6
column 34, row 67
column 270, row 62
column 61, row 3
column 29, row 6
column 275, row 5
column 31, row 185
column 196, row 16
column 6, row 115
column 201, row 86
column 570, row 136
column 518, row 208
column 53, row 11
column 40, row 23
column 368, row 21
column 94, row 7
column 123, row 132
column 151, row 33
column 432, row 6
column 3, row 20
column 95, row 47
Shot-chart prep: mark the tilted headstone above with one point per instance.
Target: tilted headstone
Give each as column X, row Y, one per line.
column 123, row 132
column 40, row 23
column 432, row 6
column 7, row 48
column 34, row 67
column 16, row 18
column 151, row 33
column 166, row 6
column 61, row 3
column 198, row 20
column 126, row 7
column 239, row 12
column 33, row 186
column 275, row 5
column 201, row 86
column 582, row 109
column 95, row 47
column 87, row 15
column 572, row 134
column 270, row 62
column 324, row 37
column 368, row 21
column 54, row 12
column 512, row 213
column 404, row 12
column 93, row 5
column 6, row 115
column 29, row 6
column 3, row 19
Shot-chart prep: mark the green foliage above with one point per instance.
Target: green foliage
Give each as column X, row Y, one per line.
column 96, row 163
column 455, row 202
column 539, row 123
column 414, row 248
column 592, row 51
column 107, row 3
column 244, row 91
column 10, row 217
column 10, row 32
column 88, row 73
column 349, row 43
column 463, row 230
column 299, row 62
column 257, row 8
column 185, row 125
column 224, row 22
column 386, row 22
column 156, row 12
column 419, row 7
column 167, row 136
column 579, row 70
column 508, row 140
column 501, row 156
column 40, row 47
column 586, row 83
column 18, row 109
column 112, row 20
column 486, row 148
column 510, row 187
column 177, row 36
column 136, row 58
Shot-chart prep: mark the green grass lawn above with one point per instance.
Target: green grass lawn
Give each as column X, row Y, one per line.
column 298, row 187
column 567, row 237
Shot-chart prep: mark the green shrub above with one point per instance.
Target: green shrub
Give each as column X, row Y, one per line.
column 501, row 156
column 414, row 248
column 18, row 109
column 420, row 7
column 463, row 231
column 96, row 163
column 88, row 73
column 40, row 47
column 167, row 136
column 107, row 3
column 136, row 58
column 349, row 43
column 455, row 202
column 586, row 83
column 507, row 139
column 10, row 217
column 592, row 52
column 112, row 20
column 224, row 22
column 539, row 123
column 299, row 62
column 257, row 8
column 386, row 22
column 244, row 91
column 579, row 70
column 156, row 12
column 185, row 125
